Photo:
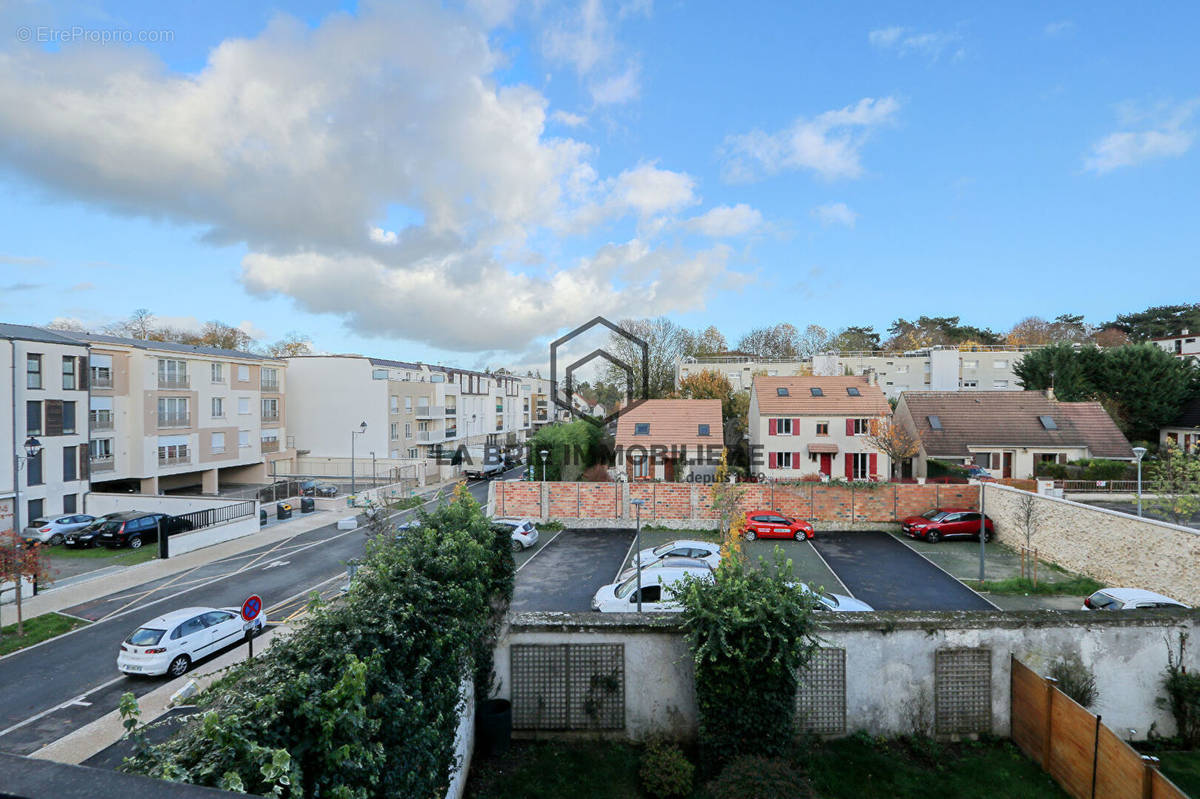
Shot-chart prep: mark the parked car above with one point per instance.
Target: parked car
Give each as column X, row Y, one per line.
column 89, row 536
column 769, row 524
column 134, row 528
column 1128, row 599
column 53, row 529
column 314, row 488
column 171, row 643
column 934, row 525
column 706, row 551
column 524, row 533
column 671, row 562
column 658, row 591
column 839, row 603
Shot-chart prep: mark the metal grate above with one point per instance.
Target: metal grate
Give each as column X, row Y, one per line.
column 821, row 697
column 962, row 691
column 568, row 686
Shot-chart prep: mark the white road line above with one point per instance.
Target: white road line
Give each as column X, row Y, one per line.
column 68, row 703
column 71, row 616
column 943, row 571
column 540, row 550
column 617, row 576
column 845, row 587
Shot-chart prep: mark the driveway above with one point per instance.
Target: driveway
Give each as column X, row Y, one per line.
column 565, row 573
column 888, row 575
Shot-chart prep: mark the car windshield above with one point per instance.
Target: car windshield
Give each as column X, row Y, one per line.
column 932, row 514
column 1102, row 600
column 145, row 636
column 112, row 527
column 626, row 588
column 829, row 599
column 661, row 548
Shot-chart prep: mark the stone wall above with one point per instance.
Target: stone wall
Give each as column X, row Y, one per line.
column 1116, row 548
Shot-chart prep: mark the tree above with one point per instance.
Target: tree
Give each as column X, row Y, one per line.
column 1032, row 331
column 572, row 447
column 930, row 331
column 892, row 439
column 1175, row 484
column 856, row 339
column 709, row 341
column 20, row 562
column 223, row 336
column 665, row 341
column 140, row 324
column 290, row 346
column 1110, row 337
column 815, row 339
column 777, row 341
column 1070, row 372
column 726, row 501
column 1028, row 516
column 1148, row 386
column 1158, row 322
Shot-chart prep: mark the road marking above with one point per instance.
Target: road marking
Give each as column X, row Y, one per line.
column 943, row 571
column 540, row 550
column 68, row 703
column 276, row 564
column 70, row 616
column 845, row 587
column 617, row 576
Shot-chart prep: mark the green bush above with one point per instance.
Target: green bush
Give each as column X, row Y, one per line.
column 1052, row 470
column 1183, row 695
column 937, row 468
column 757, row 777
column 750, row 631
column 1075, row 680
column 1100, row 469
column 665, row 770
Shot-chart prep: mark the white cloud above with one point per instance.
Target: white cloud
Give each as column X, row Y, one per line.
column 828, row 144
column 835, row 214
column 586, row 41
column 649, row 190
column 617, row 89
column 1167, row 132
column 568, row 119
column 381, row 236
column 906, row 41
column 1059, row 28
column 725, row 221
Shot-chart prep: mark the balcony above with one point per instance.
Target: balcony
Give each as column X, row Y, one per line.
column 268, row 418
column 431, row 436
column 105, row 463
column 452, row 410
column 100, row 420
column 173, row 382
column 99, row 380
column 541, row 403
column 174, row 420
column 541, row 415
column 270, row 385
column 174, row 460
column 430, row 411
column 270, row 445
column 451, row 432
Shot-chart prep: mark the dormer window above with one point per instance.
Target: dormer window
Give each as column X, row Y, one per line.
column 816, row 392
column 782, row 391
column 701, row 429
column 853, row 392
column 641, row 429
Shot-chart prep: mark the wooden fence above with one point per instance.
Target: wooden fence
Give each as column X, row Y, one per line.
column 1070, row 743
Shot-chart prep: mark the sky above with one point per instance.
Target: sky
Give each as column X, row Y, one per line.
column 462, row 182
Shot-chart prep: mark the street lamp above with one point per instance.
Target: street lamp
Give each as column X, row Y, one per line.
column 361, row 431
column 637, row 563
column 545, row 454
column 1139, row 453
column 32, row 448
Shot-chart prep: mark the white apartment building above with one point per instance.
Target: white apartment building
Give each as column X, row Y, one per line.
column 1185, row 345
column 43, row 396
column 167, row 416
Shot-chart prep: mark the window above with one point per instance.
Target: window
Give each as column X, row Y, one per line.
column 173, row 412
column 101, row 367
column 33, row 470
column 68, row 417
column 268, row 378
column 270, row 410
column 935, row 423
column 217, row 372
column 243, row 405
column 269, row 439
column 172, row 449
column 412, row 452
column 218, row 407
column 822, row 428
column 100, row 449
column 970, row 384
column 437, row 378
column 783, row 427
column 1001, row 364
column 816, row 392
column 971, row 364
column 243, row 374
column 36, row 506
column 33, row 371
column 1048, row 422
column 783, row 460
column 650, row 593
column 772, row 372
column 861, row 463
column 701, row 429
column 100, row 413
column 379, row 374
column 172, row 373
column 782, row 391
column 68, row 372
column 33, row 418
column 395, row 430
column 999, row 384
column 640, row 466
column 394, row 403
column 70, row 503
column 423, row 427
column 70, row 457
column 853, row 392
column 408, row 429
column 408, row 404
column 641, row 429
column 243, row 438
column 217, row 443
column 862, row 427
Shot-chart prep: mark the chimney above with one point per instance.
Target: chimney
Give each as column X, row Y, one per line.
column 871, row 375
column 1049, row 392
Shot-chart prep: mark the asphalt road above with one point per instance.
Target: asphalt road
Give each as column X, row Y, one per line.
column 888, row 575
column 51, row 689
column 566, row 572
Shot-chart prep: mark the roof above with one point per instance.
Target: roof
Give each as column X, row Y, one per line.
column 1189, row 416
column 822, row 448
column 1011, row 418
column 169, row 346
column 394, row 364
column 673, row 423
column 836, row 400
column 31, row 333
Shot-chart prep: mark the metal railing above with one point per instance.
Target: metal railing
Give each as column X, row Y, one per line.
column 173, row 381
column 174, row 460
column 451, row 410
column 451, row 432
column 270, row 385
column 430, row 411
column 270, row 445
column 209, row 517
column 103, row 464
column 271, row 417
column 431, row 436
column 174, row 420
column 101, row 382
column 1098, row 486
column 100, row 420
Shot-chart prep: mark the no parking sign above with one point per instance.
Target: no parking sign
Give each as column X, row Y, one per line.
column 251, row 608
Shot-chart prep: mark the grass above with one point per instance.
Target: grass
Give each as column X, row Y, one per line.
column 37, row 629
column 850, row 768
column 1076, row 586
column 123, row 557
column 1182, row 768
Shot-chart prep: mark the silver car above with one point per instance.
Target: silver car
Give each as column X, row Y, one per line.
column 52, row 529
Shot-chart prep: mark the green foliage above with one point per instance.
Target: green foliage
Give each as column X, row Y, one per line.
column 937, row 468
column 1175, row 484
column 757, row 777
column 1159, row 321
column 665, row 771
column 1075, row 680
column 750, row 632
column 1076, row 586
column 362, row 698
column 1183, row 694
column 573, row 447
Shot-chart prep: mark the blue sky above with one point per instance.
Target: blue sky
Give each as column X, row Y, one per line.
column 461, row 182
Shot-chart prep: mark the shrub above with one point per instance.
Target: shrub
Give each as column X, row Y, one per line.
column 811, row 477
column 597, row 473
column 1075, row 680
column 1051, row 470
column 665, row 770
column 757, row 777
column 1183, row 695
column 936, row 468
column 1100, row 469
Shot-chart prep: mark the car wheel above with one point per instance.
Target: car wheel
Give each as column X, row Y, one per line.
column 799, row 535
column 179, row 666
column 933, row 536
column 56, row 539
column 516, row 546
column 751, row 535
column 135, row 542
column 988, row 535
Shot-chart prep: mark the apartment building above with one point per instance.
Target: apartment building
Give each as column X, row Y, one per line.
column 816, row 425
column 1185, row 345
column 168, row 417
column 44, row 397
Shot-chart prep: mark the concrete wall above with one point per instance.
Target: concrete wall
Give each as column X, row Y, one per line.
column 1115, row 548
column 889, row 662
column 464, row 741
column 99, row 504
column 186, row 542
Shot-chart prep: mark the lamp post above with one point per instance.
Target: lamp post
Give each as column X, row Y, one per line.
column 637, row 564
column 362, row 430
column 32, row 448
column 1139, row 453
column 982, row 530
column 545, row 454
column 372, row 468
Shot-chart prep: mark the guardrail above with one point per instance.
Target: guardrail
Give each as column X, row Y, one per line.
column 1098, row 486
column 208, row 517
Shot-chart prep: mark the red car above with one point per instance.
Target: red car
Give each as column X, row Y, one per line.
column 769, row 524
column 939, row 523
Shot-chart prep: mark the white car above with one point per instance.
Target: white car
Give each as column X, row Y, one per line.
column 836, row 602
column 170, row 644
column 706, row 551
column 524, row 534
column 52, row 529
column 669, row 562
column 1128, row 599
column 657, row 591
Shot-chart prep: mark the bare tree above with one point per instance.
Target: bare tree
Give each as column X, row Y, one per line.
column 777, row 341
column 893, row 440
column 665, row 341
column 289, row 346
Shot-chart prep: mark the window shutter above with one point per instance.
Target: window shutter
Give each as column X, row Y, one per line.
column 795, row 460
column 84, row 463
column 771, row 428
column 874, row 464
column 82, row 373
column 771, row 458
column 849, row 427
column 54, row 417
column 849, row 465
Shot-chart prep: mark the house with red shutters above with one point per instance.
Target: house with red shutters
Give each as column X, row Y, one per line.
column 816, row 425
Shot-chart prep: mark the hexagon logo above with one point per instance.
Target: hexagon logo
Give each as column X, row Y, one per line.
column 632, row 398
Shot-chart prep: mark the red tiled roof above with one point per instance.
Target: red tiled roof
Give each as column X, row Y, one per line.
column 673, row 423
column 836, row 401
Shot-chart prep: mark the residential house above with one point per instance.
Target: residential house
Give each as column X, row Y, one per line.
column 1184, row 430
column 669, row 439
column 43, row 395
column 165, row 416
column 816, row 425
column 1007, row 432
column 1185, row 345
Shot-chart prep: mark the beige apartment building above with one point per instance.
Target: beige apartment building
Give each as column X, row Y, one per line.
column 167, row 417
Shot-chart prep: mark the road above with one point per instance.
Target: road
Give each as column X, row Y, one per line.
column 56, row 687
column 572, row 566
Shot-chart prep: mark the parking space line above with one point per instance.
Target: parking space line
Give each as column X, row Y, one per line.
column 621, row 568
column 845, row 587
column 943, row 571
column 541, row 549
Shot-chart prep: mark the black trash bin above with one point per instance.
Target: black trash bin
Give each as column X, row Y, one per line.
column 307, row 505
column 262, row 517
column 283, row 510
column 493, row 724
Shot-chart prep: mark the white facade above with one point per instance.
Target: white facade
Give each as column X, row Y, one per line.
column 1185, row 345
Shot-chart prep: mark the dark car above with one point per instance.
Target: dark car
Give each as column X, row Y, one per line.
column 89, row 536
column 134, row 528
column 313, row 488
column 934, row 525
